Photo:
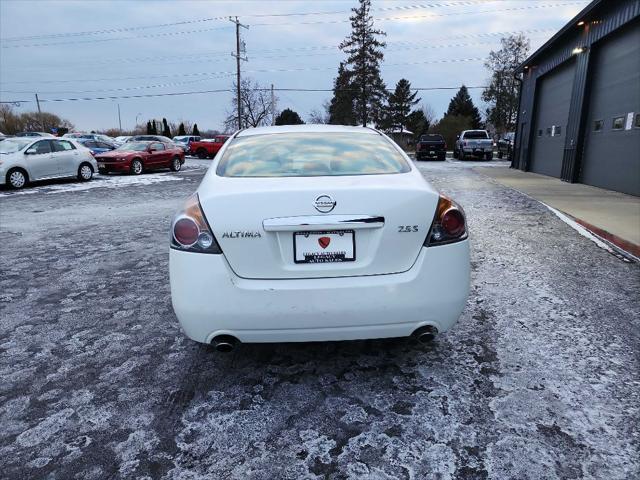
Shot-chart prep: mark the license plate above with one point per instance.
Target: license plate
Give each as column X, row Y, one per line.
column 432, row 153
column 101, row 165
column 324, row 247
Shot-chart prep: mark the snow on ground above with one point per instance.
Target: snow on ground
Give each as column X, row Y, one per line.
column 540, row 378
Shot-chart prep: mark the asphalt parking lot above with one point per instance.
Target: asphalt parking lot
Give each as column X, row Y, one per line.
column 540, row 379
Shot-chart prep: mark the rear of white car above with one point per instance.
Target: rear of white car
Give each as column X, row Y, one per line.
column 314, row 233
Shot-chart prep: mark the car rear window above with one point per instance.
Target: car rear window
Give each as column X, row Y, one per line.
column 479, row 134
column 310, row 155
column 431, row 138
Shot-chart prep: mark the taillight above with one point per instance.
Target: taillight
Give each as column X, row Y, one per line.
column 449, row 224
column 190, row 230
column 418, row 146
column 445, row 145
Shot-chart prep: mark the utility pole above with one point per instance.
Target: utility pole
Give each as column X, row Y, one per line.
column 119, row 119
column 238, row 55
column 40, row 113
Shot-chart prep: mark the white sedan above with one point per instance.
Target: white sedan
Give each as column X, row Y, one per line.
column 27, row 159
column 313, row 233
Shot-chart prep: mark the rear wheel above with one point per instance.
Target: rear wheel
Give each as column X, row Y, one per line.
column 202, row 153
column 17, row 178
column 499, row 154
column 136, row 167
column 85, row 172
column 461, row 155
column 176, row 164
column 489, row 156
column 455, row 153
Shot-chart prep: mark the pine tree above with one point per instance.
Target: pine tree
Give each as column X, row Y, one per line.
column 195, row 131
column 154, row 128
column 149, row 129
column 341, row 108
column 364, row 52
column 288, row 117
column 461, row 105
column 418, row 123
column 166, row 131
column 181, row 130
column 399, row 104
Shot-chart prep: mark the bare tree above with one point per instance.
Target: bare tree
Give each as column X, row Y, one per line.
column 257, row 106
column 320, row 115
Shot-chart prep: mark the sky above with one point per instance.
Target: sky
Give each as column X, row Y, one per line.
column 119, row 48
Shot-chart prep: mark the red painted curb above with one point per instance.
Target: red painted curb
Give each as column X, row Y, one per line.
column 621, row 243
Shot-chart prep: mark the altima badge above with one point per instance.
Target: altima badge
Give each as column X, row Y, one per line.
column 324, row 203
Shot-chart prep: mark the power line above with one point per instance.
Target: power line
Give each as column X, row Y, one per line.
column 184, row 32
column 211, row 19
column 199, row 92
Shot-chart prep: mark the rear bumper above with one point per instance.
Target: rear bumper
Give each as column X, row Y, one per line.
column 210, row 300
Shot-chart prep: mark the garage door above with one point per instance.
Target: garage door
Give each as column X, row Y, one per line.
column 612, row 137
column 552, row 111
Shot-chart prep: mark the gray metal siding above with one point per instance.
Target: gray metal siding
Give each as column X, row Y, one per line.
column 611, row 158
column 552, row 110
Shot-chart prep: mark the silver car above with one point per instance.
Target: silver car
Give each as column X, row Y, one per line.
column 27, row 159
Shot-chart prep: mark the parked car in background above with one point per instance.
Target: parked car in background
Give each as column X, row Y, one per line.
column 136, row 157
column 97, row 146
column 89, row 136
column 473, row 143
column 431, row 146
column 505, row 145
column 34, row 134
column 316, row 233
column 121, row 139
column 184, row 141
column 150, row 138
column 27, row 159
column 208, row 147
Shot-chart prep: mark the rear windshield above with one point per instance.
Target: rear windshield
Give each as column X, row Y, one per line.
column 431, row 138
column 477, row 134
column 133, row 147
column 310, row 155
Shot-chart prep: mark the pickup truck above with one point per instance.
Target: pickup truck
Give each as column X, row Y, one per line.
column 207, row 148
column 431, row 146
column 473, row 143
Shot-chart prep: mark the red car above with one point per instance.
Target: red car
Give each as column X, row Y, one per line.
column 136, row 157
column 207, row 148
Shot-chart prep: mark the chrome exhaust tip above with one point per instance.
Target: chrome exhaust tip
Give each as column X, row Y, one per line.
column 224, row 343
column 425, row 334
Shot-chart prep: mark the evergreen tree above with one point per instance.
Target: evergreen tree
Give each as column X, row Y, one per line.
column 154, row 128
column 166, row 131
column 341, row 107
column 364, row 52
column 195, row 131
column 149, row 129
column 418, row 123
column 399, row 104
column 288, row 117
column 181, row 130
column 461, row 105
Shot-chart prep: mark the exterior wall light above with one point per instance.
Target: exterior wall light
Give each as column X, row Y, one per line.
column 580, row 23
column 578, row 50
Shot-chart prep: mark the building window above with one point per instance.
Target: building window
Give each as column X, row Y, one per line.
column 548, row 131
column 597, row 125
column 636, row 122
column 540, row 132
column 618, row 123
column 558, row 131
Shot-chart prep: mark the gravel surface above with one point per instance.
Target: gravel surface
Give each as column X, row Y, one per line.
column 540, row 379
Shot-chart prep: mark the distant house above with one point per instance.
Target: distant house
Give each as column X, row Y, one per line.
column 402, row 137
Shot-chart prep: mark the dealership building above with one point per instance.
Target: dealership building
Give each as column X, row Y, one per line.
column 579, row 115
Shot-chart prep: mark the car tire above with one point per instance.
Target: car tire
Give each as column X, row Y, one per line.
column 500, row 155
column 461, row 155
column 85, row 172
column 136, row 167
column 202, row 153
column 176, row 164
column 489, row 156
column 442, row 158
column 17, row 178
column 455, row 153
